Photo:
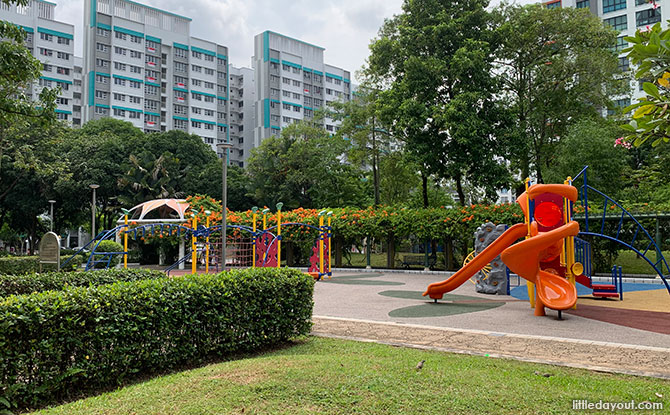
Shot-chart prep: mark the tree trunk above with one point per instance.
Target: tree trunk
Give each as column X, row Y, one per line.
column 449, row 254
column 337, row 250
column 424, row 188
column 375, row 164
column 459, row 190
column 390, row 252
column 290, row 260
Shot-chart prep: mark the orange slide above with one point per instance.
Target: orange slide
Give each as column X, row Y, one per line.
column 436, row 290
column 524, row 258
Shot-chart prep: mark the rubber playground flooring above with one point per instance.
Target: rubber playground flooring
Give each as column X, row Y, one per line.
column 643, row 318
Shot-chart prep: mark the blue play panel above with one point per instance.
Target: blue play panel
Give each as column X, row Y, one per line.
column 521, row 292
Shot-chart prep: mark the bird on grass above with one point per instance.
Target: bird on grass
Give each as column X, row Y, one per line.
column 419, row 365
column 546, row 375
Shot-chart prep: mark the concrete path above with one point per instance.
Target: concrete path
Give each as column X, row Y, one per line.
column 389, row 308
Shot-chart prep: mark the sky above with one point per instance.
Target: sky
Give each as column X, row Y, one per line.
column 344, row 27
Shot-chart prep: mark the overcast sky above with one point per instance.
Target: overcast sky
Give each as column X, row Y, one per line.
column 343, row 27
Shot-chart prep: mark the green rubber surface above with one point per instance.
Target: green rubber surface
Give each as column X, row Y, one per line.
column 451, row 304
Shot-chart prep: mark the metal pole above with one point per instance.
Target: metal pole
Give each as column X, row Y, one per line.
column 224, row 204
column 51, row 227
column 93, row 216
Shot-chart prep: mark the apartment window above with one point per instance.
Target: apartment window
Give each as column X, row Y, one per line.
column 119, row 66
column 329, row 79
column 102, row 63
column 137, row 55
column 337, row 81
column 221, row 75
column 101, row 47
column 135, row 84
column 181, row 124
column 134, row 100
column 286, row 94
column 286, row 106
column 307, row 76
column 64, row 86
column 151, row 104
column 222, row 129
column 584, row 4
column 150, row 89
column 555, row 5
column 296, row 109
column 119, row 112
column 62, row 101
column 612, row 5
column 120, row 51
column 296, row 83
column 221, row 61
column 273, row 105
column 296, row 96
column 63, row 41
column 209, row 98
column 618, row 105
column 196, row 55
column 180, row 96
column 181, row 67
column 196, row 68
column 46, row 52
column 180, row 53
column 47, row 68
column 286, row 81
column 329, row 91
column 180, row 81
column 620, row 44
column 318, row 103
column 623, row 64
column 29, row 38
column 119, row 81
column 196, row 110
column 152, row 45
column 317, row 78
column 46, row 37
column 196, row 97
column 120, row 35
column 221, row 89
column 274, row 118
column 135, row 69
column 135, row 39
column 274, row 78
column 134, row 114
column 209, row 126
column 209, row 71
column 274, row 92
column 209, row 58
column 641, row 2
column 62, row 116
column 221, row 115
column 618, row 23
column 102, row 32
column 101, row 111
column 285, row 67
column 101, row 94
column 196, row 82
column 64, row 56
column 153, row 74
column 221, row 101
column 309, row 113
column 101, row 79
column 180, row 109
column 119, row 97
column 329, row 127
column 287, row 120
column 295, row 70
column 209, row 113
column 196, row 124
column 648, row 17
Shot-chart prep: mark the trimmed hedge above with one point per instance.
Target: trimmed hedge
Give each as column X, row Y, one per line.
column 30, row 283
column 16, row 265
column 57, row 344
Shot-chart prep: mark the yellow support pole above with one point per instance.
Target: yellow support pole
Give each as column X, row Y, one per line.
column 253, row 245
column 125, row 242
column 330, row 245
column 570, row 248
column 529, row 285
column 207, row 212
column 265, row 226
column 323, row 235
column 279, row 206
column 194, row 251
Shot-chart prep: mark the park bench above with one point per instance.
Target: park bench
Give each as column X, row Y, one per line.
column 408, row 260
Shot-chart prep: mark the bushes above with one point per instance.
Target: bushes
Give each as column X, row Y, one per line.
column 17, row 265
column 30, row 283
column 60, row 342
column 108, row 246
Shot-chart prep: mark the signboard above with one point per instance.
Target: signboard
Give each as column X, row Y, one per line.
column 50, row 250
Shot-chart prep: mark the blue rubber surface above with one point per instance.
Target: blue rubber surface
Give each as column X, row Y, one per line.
column 521, row 292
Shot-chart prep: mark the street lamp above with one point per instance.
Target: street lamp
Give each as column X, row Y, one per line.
column 93, row 186
column 224, row 199
column 51, row 202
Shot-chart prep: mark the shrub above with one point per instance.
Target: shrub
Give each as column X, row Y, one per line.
column 30, row 283
column 57, row 343
column 108, row 246
column 17, row 265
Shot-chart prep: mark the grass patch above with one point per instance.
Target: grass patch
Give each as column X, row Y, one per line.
column 631, row 264
column 329, row 376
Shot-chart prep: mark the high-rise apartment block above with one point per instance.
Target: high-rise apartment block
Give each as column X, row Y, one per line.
column 242, row 121
column 292, row 81
column 142, row 65
column 52, row 42
column 625, row 16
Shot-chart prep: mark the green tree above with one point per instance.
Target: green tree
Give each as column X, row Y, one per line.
column 302, row 168
column 399, row 179
column 556, row 66
column 436, row 60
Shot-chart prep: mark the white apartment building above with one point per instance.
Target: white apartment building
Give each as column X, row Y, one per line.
column 292, row 81
column 142, row 65
column 50, row 41
column 78, row 82
column 242, row 120
column 626, row 16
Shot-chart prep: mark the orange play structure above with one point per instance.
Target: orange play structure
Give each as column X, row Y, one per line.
column 545, row 259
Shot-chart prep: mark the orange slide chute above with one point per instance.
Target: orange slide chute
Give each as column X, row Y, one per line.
column 553, row 291
column 436, row 290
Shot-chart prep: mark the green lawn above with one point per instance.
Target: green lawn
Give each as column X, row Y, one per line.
column 328, row 376
column 630, row 264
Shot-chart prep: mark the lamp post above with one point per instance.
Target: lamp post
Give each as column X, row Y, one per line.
column 93, row 186
column 224, row 199
column 51, row 202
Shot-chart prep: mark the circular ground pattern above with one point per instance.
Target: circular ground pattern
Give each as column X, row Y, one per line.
column 451, row 304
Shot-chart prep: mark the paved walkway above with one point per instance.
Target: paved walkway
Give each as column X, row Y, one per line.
column 388, row 308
